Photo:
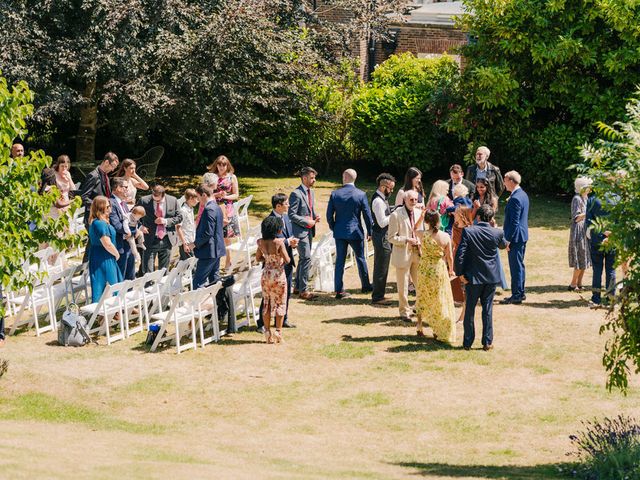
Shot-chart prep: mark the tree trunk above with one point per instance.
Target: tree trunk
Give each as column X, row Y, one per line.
column 86, row 139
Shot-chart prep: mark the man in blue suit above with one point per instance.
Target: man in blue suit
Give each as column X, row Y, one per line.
column 119, row 220
column 280, row 204
column 208, row 246
column 477, row 265
column 347, row 206
column 516, row 232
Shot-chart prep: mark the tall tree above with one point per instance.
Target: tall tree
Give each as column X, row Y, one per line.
column 537, row 74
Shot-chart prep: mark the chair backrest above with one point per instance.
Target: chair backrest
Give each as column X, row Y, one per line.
column 153, row 291
column 241, row 210
column 187, row 271
column 147, row 164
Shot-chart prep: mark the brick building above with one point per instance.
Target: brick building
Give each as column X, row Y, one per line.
column 428, row 31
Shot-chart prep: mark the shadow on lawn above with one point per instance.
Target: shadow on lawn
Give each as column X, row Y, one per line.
column 558, row 304
column 414, row 343
column 366, row 320
column 512, row 472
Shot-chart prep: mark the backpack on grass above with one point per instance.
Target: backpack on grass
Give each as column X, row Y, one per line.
column 73, row 328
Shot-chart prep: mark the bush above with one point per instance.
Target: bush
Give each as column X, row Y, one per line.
column 399, row 118
column 608, row 450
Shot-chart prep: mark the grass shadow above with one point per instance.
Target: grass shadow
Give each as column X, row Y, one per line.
column 413, row 343
column 512, row 472
column 365, row 320
column 557, row 304
column 233, row 341
column 546, row 288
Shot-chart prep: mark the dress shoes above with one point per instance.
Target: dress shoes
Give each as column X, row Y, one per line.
column 308, row 296
column 367, row 289
column 406, row 319
column 467, row 348
column 510, row 301
column 260, row 330
column 295, row 291
column 487, row 347
column 382, row 301
column 341, row 295
column 288, row 325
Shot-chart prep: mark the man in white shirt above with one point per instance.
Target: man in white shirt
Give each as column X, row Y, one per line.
column 381, row 246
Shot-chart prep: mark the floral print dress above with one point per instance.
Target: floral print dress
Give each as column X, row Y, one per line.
column 231, row 229
column 274, row 285
column 434, row 300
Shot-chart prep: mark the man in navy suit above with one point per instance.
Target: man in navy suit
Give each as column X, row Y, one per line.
column 119, row 220
column 347, row 206
column 516, row 232
column 208, row 246
column 280, row 204
column 304, row 217
column 477, row 265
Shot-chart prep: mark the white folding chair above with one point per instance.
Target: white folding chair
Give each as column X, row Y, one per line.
column 245, row 289
column 322, row 264
column 110, row 307
column 181, row 318
column 152, row 293
column 241, row 211
column 170, row 285
column 134, row 307
column 187, row 272
column 207, row 307
column 244, row 250
column 81, row 282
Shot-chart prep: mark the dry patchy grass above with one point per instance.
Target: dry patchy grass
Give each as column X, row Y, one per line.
column 353, row 393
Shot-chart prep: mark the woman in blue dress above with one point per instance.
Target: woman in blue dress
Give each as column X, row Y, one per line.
column 103, row 254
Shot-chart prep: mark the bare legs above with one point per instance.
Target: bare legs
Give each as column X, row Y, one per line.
column 275, row 337
column 576, row 280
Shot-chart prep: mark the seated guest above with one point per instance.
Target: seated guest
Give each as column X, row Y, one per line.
column 186, row 230
column 457, row 178
column 273, row 253
column 208, row 246
column 103, row 257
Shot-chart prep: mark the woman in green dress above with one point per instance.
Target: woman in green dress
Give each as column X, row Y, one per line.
column 434, row 300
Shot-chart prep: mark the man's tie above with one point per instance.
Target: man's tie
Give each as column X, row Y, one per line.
column 107, row 185
column 160, row 228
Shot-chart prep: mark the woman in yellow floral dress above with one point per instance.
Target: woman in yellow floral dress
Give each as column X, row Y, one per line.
column 434, row 300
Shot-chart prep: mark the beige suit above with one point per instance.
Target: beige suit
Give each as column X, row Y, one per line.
column 404, row 257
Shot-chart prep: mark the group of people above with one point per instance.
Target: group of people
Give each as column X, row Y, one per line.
column 444, row 243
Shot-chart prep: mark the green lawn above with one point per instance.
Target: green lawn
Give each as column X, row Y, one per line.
column 352, row 393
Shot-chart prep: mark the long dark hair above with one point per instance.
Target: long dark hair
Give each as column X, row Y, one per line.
column 412, row 173
column 490, row 196
column 126, row 163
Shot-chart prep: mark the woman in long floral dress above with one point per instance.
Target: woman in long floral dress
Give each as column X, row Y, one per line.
column 272, row 251
column 579, row 250
column 226, row 193
column 434, row 300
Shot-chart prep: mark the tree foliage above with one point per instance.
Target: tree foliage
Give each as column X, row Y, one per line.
column 399, row 118
column 613, row 162
column 538, row 73
column 24, row 214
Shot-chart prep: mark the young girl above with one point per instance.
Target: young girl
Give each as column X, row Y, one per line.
column 272, row 252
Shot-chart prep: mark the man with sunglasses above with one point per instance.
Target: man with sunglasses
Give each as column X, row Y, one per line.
column 381, row 246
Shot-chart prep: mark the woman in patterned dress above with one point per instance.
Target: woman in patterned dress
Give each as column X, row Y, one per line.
column 64, row 182
column 272, row 251
column 226, row 193
column 579, row 251
column 434, row 300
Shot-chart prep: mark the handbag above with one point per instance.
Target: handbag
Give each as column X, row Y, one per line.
column 73, row 328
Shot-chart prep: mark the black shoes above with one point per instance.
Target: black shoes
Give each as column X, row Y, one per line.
column 288, row 325
column 367, row 290
column 341, row 295
column 512, row 301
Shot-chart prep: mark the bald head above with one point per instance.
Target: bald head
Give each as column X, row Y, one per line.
column 349, row 176
column 17, row 150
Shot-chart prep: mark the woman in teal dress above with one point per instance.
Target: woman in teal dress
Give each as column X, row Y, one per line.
column 103, row 254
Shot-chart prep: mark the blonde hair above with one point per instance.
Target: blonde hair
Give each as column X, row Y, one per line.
column 98, row 208
column 138, row 210
column 460, row 190
column 581, row 183
column 214, row 166
column 440, row 188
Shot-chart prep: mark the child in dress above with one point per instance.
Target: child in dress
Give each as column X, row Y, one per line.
column 136, row 241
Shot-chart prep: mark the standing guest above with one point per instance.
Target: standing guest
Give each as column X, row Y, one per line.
column 162, row 216
column 280, row 204
column 119, row 219
column 103, row 258
column 304, row 219
column 128, row 171
column 462, row 218
column 226, row 194
column 439, row 202
column 186, row 229
column 210, row 179
column 405, row 256
column 484, row 169
column 64, row 182
column 412, row 181
column 516, row 232
column 579, row 251
column 273, row 253
column 97, row 183
column 208, row 246
column 434, row 299
column 347, row 208
column 457, row 178
column 381, row 246
column 476, row 262
column 601, row 257
column 484, row 194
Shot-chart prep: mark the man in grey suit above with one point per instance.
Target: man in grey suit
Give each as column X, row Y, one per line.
column 304, row 218
column 162, row 216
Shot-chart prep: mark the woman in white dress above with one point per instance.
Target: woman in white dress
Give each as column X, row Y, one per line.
column 128, row 171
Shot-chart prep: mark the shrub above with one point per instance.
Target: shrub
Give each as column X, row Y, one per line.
column 608, row 450
column 399, row 117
